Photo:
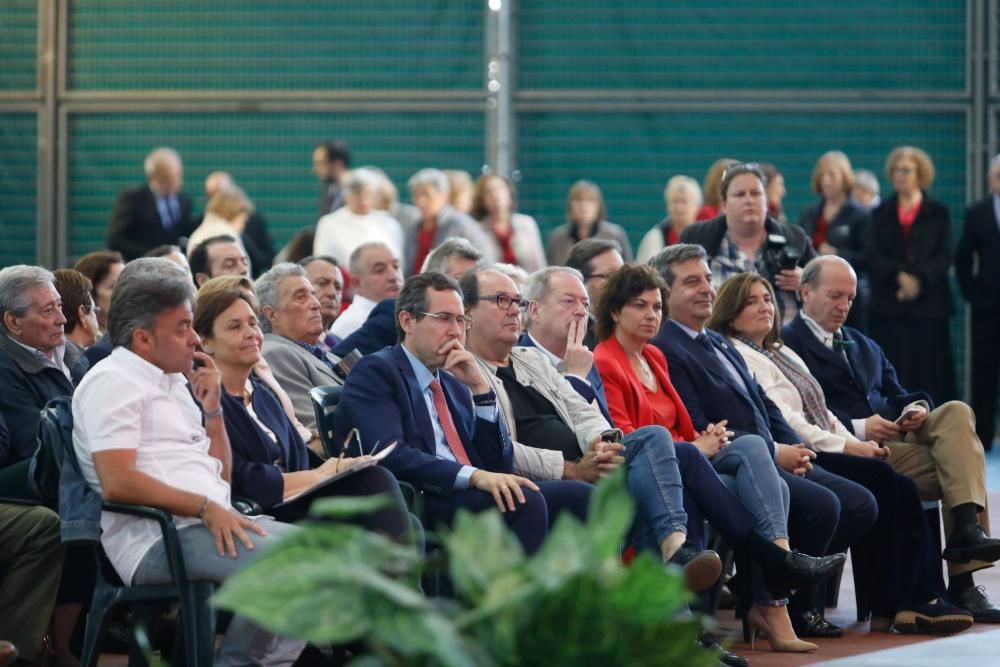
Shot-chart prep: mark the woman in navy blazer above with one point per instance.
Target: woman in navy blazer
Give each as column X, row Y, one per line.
column 270, row 462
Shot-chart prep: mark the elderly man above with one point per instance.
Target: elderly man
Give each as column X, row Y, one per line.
column 254, row 237
column 292, row 321
column 148, row 430
column 218, row 256
column 35, row 364
column 451, row 442
column 358, row 221
column 375, row 275
column 937, row 447
column 155, row 213
column 330, row 161
column 325, row 275
column 744, row 238
column 453, row 258
column 429, row 191
column 595, row 259
column 556, row 322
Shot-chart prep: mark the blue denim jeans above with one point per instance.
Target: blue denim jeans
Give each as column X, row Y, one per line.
column 747, row 468
column 654, row 481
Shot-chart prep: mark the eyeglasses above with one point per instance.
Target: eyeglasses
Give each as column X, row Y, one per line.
column 504, row 301
column 447, row 318
column 93, row 309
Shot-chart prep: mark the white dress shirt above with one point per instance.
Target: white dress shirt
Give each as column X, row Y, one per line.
column 351, row 319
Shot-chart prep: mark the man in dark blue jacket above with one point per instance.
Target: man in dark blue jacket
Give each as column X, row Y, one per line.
column 937, row 447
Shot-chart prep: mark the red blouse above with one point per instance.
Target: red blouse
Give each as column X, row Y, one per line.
column 906, row 219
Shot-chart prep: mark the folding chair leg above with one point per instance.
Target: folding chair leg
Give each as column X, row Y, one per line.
column 97, row 620
column 197, row 624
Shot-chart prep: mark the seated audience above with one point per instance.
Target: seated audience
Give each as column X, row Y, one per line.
column 255, row 237
column 226, row 214
column 453, row 258
column 514, row 237
column 375, row 275
column 827, row 513
column 937, row 447
column 293, row 332
column 102, row 269
column 682, row 197
column 358, row 222
column 325, row 275
column 515, row 273
column 387, row 199
column 180, row 461
column 270, row 462
column 866, row 189
column 596, row 259
column 171, row 252
column 78, row 307
column 896, row 560
column 429, row 191
column 459, row 190
column 586, row 217
column 218, row 256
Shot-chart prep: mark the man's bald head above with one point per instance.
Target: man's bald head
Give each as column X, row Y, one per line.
column 829, row 287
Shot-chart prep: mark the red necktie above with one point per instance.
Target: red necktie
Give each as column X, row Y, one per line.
column 447, row 425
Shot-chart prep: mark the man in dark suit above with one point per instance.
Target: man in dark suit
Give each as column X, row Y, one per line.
column 977, row 265
column 451, row 442
column 154, row 214
column 596, row 259
column 558, row 300
column 938, row 448
column 828, row 513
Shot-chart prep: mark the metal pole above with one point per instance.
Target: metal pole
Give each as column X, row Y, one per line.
column 46, row 184
column 499, row 87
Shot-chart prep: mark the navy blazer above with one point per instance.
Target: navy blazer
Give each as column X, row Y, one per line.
column 591, row 392
column 866, row 386
column 254, row 475
column 377, row 332
column 709, row 392
column 383, row 401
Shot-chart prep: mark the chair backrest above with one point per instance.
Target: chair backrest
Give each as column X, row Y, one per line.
column 55, row 431
column 324, row 400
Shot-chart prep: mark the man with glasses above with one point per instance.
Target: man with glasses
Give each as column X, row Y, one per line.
column 745, row 239
column 595, row 259
column 427, row 395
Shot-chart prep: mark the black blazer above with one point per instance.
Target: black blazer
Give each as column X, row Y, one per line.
column 847, row 232
column 136, row 227
column 926, row 254
column 981, row 240
column 860, row 389
column 709, row 392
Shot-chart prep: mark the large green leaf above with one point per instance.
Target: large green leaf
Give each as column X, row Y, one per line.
column 348, row 506
column 647, row 593
column 610, row 514
column 480, row 548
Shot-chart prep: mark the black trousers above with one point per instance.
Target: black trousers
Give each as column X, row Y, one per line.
column 985, row 363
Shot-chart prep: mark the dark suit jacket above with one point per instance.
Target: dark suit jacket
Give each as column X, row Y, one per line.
column 980, row 239
column 856, row 391
column 378, row 331
column 847, row 232
column 590, row 393
column 254, row 474
column 136, row 226
column 709, row 392
column 926, row 254
column 384, row 402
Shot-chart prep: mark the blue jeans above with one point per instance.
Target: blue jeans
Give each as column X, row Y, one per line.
column 654, row 481
column 747, row 468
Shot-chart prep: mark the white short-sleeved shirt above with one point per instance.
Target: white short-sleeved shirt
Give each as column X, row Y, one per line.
column 125, row 402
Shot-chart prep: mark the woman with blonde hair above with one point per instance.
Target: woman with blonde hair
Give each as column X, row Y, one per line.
column 682, row 197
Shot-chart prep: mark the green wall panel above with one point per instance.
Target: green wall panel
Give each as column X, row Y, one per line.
column 276, row 44
column 268, row 154
column 692, row 45
column 18, row 44
column 18, row 188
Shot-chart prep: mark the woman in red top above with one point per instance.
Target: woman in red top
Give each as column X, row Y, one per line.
column 639, row 393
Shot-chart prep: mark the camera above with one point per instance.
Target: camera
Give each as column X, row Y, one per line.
column 779, row 256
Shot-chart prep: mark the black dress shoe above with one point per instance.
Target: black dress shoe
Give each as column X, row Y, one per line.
column 801, row 571
column 974, row 599
column 701, row 568
column 709, row 641
column 810, row 624
column 971, row 543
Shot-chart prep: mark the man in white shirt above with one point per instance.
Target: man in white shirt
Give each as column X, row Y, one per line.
column 375, row 275
column 141, row 439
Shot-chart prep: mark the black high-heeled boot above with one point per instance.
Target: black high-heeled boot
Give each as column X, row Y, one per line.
column 785, row 571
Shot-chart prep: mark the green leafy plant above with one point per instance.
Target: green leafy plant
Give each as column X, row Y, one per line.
column 572, row 603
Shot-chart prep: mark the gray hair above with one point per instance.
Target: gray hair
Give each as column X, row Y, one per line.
column 681, row 182
column 354, row 262
column 357, row 180
column 15, row 281
column 413, row 296
column 512, row 271
column 869, row 181
column 267, row 285
column 146, row 287
column 158, row 157
column 455, row 246
column 675, row 254
column 811, row 273
column 435, row 178
column 538, row 284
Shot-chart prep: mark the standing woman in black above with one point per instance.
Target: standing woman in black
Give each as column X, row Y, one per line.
column 838, row 225
column 908, row 254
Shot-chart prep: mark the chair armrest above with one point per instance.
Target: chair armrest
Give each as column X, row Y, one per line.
column 247, row 507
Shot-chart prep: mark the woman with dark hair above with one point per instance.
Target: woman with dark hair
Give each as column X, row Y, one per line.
column 639, row 392
column 895, row 562
column 76, row 292
column 515, row 235
column 102, row 268
column 586, row 217
column 271, row 463
column 909, row 252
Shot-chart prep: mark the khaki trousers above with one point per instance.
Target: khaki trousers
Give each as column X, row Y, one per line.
column 944, row 458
